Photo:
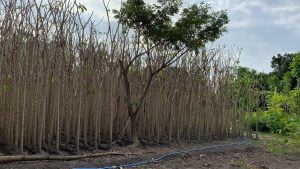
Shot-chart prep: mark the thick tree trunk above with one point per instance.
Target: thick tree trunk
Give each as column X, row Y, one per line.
column 134, row 136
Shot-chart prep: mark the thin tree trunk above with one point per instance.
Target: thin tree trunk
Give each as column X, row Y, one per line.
column 24, row 105
column 58, row 110
column 78, row 130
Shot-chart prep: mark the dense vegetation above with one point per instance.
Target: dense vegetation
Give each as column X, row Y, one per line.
column 277, row 107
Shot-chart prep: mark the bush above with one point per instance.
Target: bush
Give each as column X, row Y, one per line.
column 262, row 121
column 276, row 122
column 281, row 115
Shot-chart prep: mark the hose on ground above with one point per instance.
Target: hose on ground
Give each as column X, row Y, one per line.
column 162, row 157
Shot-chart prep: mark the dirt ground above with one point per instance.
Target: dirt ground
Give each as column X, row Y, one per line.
column 246, row 156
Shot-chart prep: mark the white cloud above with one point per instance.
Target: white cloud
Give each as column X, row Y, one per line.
column 237, row 24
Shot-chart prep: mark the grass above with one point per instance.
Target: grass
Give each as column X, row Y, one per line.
column 279, row 144
column 237, row 163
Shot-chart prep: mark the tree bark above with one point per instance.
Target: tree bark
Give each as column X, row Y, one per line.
column 134, row 135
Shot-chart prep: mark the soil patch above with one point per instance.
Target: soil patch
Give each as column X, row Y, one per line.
column 242, row 156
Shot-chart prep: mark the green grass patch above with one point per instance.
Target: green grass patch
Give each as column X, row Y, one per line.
column 279, row 144
column 237, row 163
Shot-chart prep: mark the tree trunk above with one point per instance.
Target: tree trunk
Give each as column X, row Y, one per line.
column 58, row 110
column 111, row 115
column 134, row 136
column 78, row 128
column 23, row 111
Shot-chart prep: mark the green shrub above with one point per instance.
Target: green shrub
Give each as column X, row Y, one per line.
column 263, row 120
column 282, row 115
column 276, row 122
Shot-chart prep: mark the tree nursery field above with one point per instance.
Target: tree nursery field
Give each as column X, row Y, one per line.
column 79, row 91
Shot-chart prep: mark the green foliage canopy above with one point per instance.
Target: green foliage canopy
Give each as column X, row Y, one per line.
column 281, row 64
column 195, row 26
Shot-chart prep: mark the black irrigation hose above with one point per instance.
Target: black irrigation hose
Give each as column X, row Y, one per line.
column 162, row 157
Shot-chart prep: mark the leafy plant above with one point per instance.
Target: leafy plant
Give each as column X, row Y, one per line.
column 277, row 122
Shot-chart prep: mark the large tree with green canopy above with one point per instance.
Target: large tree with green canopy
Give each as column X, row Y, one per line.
column 153, row 25
column 281, row 64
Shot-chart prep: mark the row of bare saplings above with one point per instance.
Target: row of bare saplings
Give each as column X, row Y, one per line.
column 61, row 86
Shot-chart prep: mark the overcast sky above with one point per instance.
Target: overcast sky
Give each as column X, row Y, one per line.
column 262, row 28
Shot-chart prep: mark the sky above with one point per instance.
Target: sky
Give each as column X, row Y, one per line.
column 260, row 28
